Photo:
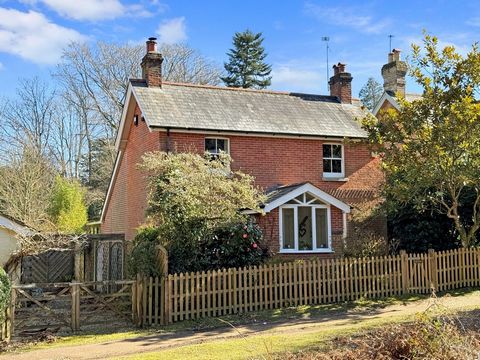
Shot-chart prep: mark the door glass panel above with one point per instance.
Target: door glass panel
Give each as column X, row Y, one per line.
column 305, row 228
column 322, row 228
column 288, row 229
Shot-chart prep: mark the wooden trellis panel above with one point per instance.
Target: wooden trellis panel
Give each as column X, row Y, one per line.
column 48, row 267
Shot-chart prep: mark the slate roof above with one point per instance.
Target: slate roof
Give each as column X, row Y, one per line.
column 208, row 108
column 278, row 191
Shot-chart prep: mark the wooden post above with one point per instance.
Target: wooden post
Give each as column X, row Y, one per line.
column 432, row 269
column 79, row 263
column 75, row 306
column 139, row 300
column 405, row 274
column 162, row 254
column 134, row 303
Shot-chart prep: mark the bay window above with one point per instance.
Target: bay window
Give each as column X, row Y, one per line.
column 305, row 225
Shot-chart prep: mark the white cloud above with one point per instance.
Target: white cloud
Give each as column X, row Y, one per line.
column 293, row 78
column 87, row 9
column 347, row 16
column 172, row 31
column 32, row 36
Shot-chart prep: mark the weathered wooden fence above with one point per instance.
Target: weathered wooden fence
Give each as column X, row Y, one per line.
column 50, row 266
column 179, row 297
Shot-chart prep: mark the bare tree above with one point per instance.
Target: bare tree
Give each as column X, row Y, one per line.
column 27, row 120
column 94, row 80
column 25, row 187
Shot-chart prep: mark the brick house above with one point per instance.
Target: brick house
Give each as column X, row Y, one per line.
column 306, row 151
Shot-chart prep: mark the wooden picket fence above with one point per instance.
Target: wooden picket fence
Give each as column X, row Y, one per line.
column 177, row 297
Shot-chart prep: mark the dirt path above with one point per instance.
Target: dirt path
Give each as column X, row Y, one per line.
column 167, row 340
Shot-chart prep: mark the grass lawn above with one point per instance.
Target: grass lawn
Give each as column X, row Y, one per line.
column 262, row 346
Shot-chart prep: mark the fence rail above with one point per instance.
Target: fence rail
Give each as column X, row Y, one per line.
column 183, row 296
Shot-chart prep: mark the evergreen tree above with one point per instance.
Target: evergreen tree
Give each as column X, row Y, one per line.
column 371, row 93
column 246, row 67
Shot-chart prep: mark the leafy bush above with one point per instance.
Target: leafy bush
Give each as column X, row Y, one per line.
column 194, row 202
column 5, row 291
column 236, row 245
column 143, row 258
column 367, row 244
column 68, row 209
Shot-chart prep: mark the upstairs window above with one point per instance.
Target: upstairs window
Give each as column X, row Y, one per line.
column 333, row 162
column 214, row 146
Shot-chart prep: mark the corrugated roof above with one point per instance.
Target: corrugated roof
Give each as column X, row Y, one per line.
column 210, row 108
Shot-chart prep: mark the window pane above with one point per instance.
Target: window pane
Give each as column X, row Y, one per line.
column 327, row 166
column 210, row 145
column 337, row 151
column 305, row 228
column 288, row 232
column 327, row 151
column 321, row 227
column 221, row 145
column 337, row 166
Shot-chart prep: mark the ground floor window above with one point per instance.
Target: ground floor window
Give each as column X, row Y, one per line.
column 305, row 226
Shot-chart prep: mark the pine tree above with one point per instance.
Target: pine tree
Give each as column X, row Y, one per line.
column 246, row 67
column 371, row 93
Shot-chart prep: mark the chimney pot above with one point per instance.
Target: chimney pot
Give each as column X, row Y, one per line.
column 152, row 44
column 152, row 64
column 396, row 54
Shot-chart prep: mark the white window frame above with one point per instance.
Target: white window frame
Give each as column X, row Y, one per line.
column 314, row 227
column 227, row 150
column 334, row 174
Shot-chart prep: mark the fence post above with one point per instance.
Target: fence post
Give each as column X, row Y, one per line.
column 405, row 275
column 139, row 296
column 164, row 291
column 75, row 293
column 432, row 268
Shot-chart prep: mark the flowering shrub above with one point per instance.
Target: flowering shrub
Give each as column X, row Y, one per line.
column 236, row 245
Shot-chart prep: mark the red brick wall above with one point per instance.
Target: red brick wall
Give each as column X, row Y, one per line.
column 284, row 161
column 126, row 210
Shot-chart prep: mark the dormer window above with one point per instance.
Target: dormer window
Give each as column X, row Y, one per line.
column 214, row 146
column 333, row 162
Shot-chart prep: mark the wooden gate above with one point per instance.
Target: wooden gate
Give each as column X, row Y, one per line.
column 71, row 306
column 420, row 280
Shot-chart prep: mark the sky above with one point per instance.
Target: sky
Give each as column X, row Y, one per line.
column 33, row 33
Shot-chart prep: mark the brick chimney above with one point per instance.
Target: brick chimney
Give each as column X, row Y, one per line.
column 152, row 64
column 393, row 74
column 341, row 84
